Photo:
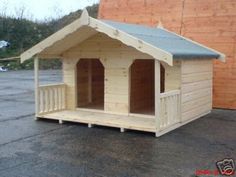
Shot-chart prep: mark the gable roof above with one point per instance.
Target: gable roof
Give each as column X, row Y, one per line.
column 159, row 43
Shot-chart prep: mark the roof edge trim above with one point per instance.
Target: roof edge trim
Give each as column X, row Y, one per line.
column 221, row 57
column 59, row 35
column 132, row 41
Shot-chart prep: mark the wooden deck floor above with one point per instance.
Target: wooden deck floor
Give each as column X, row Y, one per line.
column 96, row 118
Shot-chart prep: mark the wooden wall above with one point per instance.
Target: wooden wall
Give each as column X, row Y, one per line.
column 117, row 85
column 196, row 88
column 211, row 22
column 172, row 76
column 116, row 59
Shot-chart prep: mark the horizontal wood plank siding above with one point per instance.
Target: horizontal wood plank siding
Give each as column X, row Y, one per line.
column 117, row 90
column 116, row 59
column 173, row 76
column 196, row 93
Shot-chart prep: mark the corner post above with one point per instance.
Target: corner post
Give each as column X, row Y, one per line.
column 157, row 96
column 36, row 85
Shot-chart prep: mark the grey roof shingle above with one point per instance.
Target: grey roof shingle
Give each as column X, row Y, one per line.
column 176, row 45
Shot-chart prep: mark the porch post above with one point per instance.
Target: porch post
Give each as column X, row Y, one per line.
column 36, row 85
column 90, row 80
column 157, row 96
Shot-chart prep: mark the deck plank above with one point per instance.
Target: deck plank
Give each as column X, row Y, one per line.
column 104, row 119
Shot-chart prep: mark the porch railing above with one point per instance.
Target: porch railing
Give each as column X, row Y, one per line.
column 170, row 109
column 51, row 98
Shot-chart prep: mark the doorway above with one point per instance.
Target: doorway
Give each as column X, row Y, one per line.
column 142, row 86
column 90, row 84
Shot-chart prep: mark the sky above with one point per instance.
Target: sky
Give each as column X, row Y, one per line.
column 42, row 9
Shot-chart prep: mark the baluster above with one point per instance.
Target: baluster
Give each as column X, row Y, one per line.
column 63, row 97
column 174, row 109
column 55, row 99
column 165, row 109
column 59, row 98
column 61, row 102
column 46, row 100
column 50, row 100
column 43, row 100
column 40, row 101
column 179, row 109
column 173, row 105
column 169, row 110
column 165, row 112
column 161, row 113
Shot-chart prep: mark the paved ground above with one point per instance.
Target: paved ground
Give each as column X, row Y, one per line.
column 31, row 148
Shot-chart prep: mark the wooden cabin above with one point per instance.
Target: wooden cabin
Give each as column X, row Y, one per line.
column 124, row 75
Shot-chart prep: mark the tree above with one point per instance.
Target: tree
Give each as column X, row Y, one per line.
column 23, row 33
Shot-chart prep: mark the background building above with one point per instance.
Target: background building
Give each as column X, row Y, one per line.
column 211, row 22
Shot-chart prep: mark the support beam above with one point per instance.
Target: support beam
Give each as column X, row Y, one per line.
column 36, row 85
column 157, row 96
column 90, row 80
column 61, row 121
column 90, row 125
column 122, row 130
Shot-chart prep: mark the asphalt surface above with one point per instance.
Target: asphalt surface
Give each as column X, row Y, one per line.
column 31, row 148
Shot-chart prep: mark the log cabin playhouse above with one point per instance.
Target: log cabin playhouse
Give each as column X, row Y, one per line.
column 124, row 75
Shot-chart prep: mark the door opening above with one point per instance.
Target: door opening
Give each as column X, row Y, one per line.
column 142, row 91
column 90, row 84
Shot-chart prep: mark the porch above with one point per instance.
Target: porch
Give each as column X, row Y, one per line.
column 52, row 105
column 104, row 119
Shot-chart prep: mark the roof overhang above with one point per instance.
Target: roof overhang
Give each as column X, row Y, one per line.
column 81, row 29
column 221, row 55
